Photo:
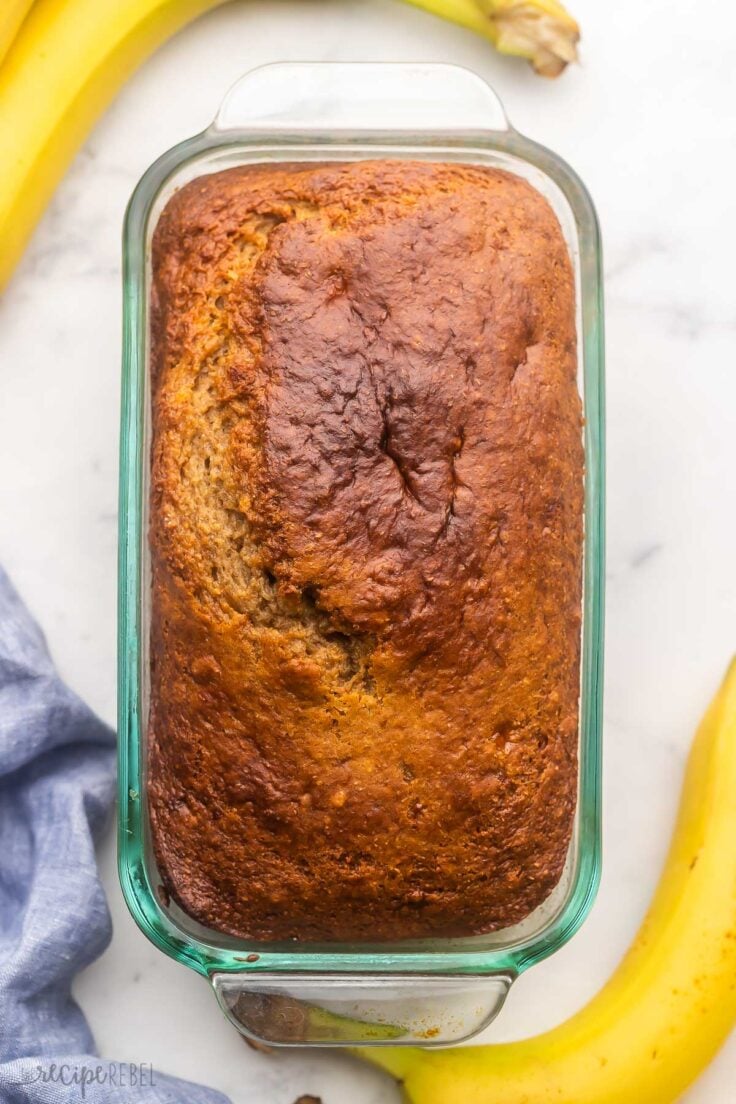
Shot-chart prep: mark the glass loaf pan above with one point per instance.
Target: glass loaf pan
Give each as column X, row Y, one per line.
column 437, row 991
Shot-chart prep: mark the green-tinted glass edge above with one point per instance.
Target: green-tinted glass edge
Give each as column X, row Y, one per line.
column 137, row 889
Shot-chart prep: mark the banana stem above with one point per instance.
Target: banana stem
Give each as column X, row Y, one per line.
column 68, row 59
column 542, row 31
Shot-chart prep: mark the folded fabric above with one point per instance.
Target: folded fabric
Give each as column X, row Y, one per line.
column 57, row 775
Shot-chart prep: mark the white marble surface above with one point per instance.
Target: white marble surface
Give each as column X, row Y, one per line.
column 648, row 120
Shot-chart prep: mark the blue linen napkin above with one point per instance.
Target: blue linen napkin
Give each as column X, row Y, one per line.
column 57, row 773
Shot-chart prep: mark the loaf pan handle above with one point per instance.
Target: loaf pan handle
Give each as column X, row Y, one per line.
column 325, row 98
column 360, row 1009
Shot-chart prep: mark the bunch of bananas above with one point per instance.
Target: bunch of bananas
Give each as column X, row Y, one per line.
column 61, row 61
column 665, row 1012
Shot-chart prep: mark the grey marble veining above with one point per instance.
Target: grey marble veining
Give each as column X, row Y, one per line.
column 648, row 122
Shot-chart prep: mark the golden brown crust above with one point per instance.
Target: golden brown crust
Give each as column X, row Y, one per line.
column 366, row 528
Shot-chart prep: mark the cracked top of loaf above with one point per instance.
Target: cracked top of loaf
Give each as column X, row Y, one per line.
column 366, row 535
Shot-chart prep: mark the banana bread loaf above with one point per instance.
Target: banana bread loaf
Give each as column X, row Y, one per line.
column 366, row 531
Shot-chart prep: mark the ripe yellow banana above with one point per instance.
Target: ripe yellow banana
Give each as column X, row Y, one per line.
column 69, row 57
column 665, row 1012
column 12, row 14
column 68, row 60
column 542, row 31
